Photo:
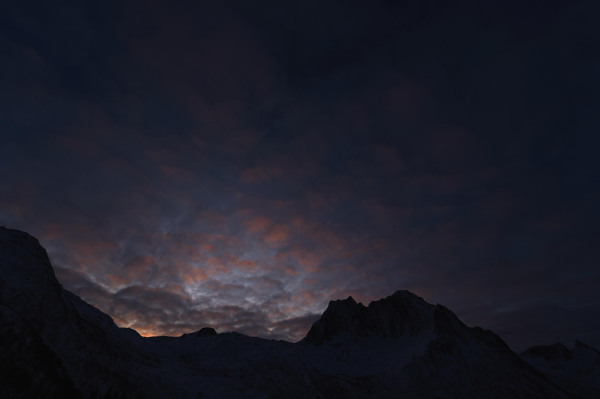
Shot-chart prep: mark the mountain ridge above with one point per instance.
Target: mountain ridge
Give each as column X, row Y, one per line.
column 397, row 346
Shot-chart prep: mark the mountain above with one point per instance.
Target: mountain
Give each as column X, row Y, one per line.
column 576, row 370
column 54, row 345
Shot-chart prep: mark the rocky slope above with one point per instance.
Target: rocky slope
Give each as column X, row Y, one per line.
column 53, row 344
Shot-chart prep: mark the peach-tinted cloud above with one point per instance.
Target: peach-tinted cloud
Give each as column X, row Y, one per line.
column 258, row 224
column 192, row 275
column 277, row 233
column 271, row 232
column 92, row 252
column 138, row 266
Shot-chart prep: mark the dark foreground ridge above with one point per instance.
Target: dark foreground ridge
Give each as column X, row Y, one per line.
column 54, row 345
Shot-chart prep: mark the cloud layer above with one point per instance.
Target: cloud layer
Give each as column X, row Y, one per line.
column 239, row 165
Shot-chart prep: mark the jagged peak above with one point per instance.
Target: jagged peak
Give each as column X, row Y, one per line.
column 401, row 313
column 403, row 294
column 348, row 302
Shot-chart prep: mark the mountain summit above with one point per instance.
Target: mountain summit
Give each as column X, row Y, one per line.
column 54, row 345
column 392, row 317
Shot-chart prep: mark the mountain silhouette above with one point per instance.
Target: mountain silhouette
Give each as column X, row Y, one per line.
column 55, row 345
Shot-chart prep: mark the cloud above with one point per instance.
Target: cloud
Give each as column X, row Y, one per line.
column 238, row 166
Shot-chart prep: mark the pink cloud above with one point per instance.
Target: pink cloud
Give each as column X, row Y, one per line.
column 271, row 232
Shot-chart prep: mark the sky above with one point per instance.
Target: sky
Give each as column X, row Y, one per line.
column 239, row 164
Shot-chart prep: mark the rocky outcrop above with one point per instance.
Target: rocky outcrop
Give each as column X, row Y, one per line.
column 53, row 344
column 397, row 315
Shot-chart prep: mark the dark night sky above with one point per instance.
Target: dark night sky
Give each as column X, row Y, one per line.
column 238, row 164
